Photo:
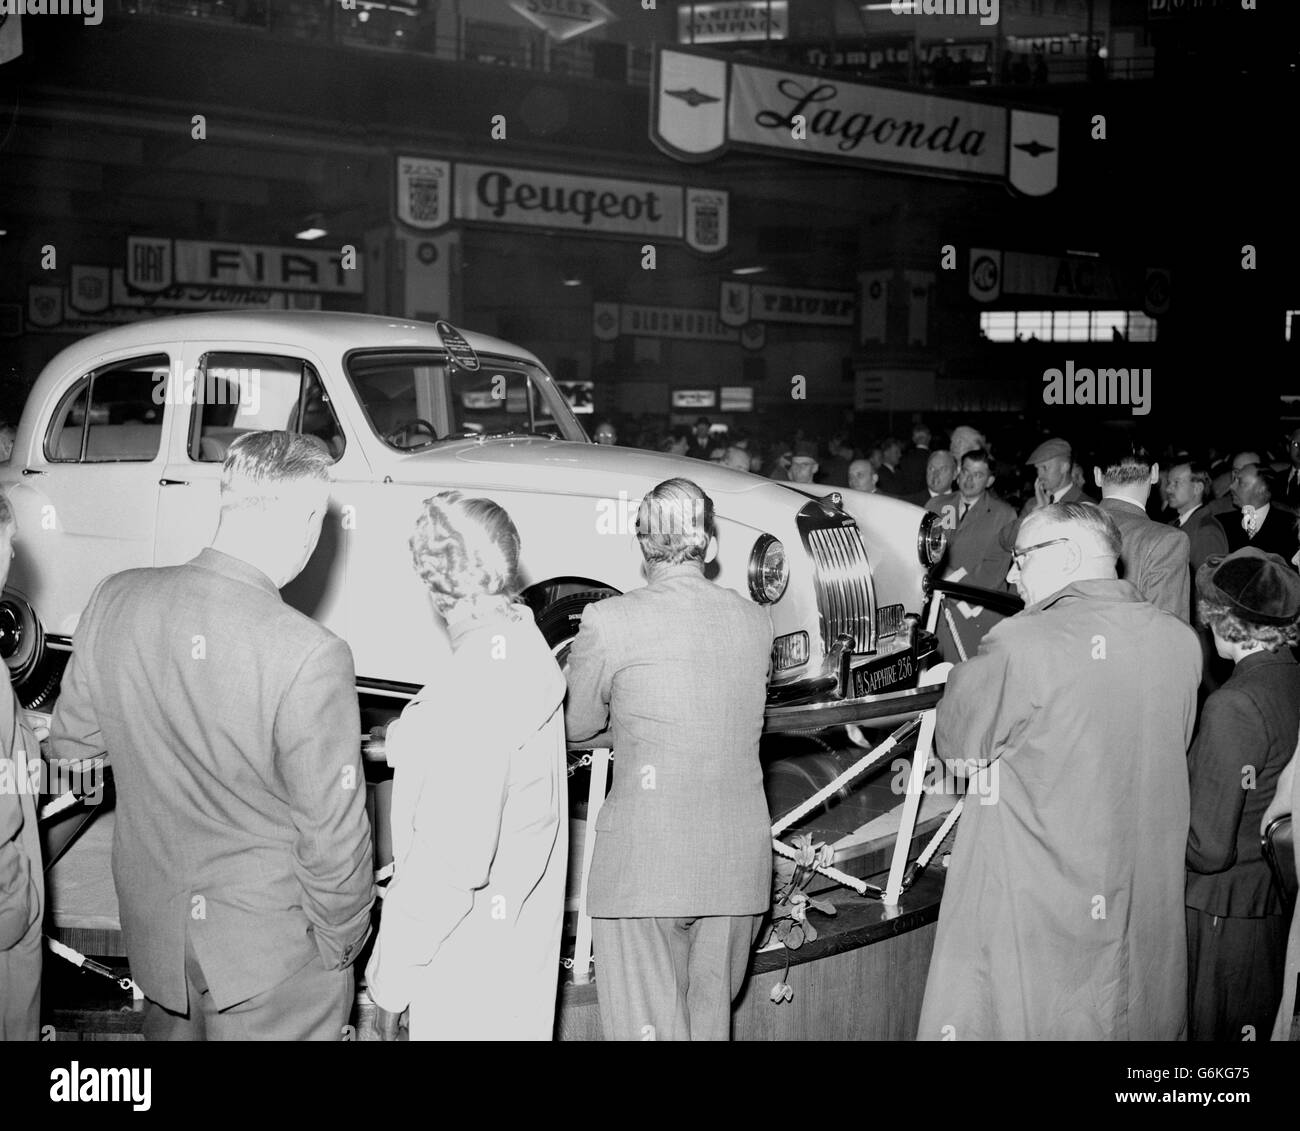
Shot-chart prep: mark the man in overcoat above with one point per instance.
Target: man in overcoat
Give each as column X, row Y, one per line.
column 1062, row 914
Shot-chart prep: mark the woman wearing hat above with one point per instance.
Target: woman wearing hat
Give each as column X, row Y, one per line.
column 469, row 937
column 1236, row 928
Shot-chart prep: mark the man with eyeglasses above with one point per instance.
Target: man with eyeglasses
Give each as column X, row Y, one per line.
column 1062, row 914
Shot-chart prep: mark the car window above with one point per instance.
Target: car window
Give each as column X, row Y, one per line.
column 236, row 393
column 113, row 415
column 412, row 400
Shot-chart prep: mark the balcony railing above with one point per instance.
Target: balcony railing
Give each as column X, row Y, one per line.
column 410, row 28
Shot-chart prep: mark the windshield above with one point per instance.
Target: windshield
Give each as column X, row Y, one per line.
column 412, row 400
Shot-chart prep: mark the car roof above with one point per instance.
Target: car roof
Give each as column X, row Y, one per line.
column 343, row 331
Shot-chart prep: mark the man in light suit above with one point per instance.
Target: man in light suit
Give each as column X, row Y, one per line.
column 981, row 530
column 242, row 852
column 1154, row 557
column 682, row 868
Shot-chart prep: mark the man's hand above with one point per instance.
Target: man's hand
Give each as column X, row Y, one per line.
column 374, row 746
column 1040, row 493
column 385, row 1026
column 1280, row 806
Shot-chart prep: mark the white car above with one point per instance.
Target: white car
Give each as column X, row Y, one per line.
column 117, row 461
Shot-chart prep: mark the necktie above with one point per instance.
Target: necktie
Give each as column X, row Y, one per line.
column 962, row 508
column 1249, row 522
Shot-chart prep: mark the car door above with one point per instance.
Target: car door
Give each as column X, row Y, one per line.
column 94, row 469
column 235, row 387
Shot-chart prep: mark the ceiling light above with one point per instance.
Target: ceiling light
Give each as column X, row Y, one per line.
column 573, row 281
column 748, row 270
column 310, row 234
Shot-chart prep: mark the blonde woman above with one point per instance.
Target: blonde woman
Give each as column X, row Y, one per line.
column 469, row 934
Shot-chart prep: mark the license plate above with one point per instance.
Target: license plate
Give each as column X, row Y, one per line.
column 895, row 672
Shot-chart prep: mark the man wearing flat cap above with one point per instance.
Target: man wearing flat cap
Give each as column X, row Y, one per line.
column 1052, row 460
column 804, row 465
column 1236, row 925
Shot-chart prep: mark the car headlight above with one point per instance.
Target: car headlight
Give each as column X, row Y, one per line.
column 769, row 572
column 932, row 540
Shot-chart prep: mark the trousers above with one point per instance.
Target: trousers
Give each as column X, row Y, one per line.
column 671, row 979
column 312, row 1005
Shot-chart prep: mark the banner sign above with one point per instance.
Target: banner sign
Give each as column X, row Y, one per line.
column 535, row 198
column 705, row 104
column 994, row 273
column 155, row 264
column 99, row 297
column 423, row 192
column 695, row 324
column 733, row 23
column 739, row 303
column 563, row 19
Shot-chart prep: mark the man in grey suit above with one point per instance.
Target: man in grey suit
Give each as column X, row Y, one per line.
column 242, row 852
column 1154, row 557
column 681, row 873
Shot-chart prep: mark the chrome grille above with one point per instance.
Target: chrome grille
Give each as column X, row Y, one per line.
column 842, row 573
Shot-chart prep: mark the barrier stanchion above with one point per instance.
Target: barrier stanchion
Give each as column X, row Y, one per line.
column 595, row 799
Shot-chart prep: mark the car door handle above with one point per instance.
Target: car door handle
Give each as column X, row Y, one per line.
column 32, row 471
column 173, row 482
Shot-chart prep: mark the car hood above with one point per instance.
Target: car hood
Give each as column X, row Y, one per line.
column 596, row 471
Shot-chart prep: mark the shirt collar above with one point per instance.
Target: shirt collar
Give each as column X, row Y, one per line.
column 1095, row 589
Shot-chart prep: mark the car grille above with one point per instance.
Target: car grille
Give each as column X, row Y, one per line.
column 843, row 594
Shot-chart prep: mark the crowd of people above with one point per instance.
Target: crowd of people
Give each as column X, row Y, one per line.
column 1115, row 889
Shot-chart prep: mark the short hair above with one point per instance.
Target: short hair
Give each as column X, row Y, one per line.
column 977, row 455
column 1267, row 476
column 1087, row 517
column 7, row 519
column 890, row 442
column 675, row 522
column 262, row 467
column 1125, row 463
column 1197, row 472
column 921, row 430
column 465, row 548
column 1235, row 630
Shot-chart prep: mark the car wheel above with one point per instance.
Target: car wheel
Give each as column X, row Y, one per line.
column 559, row 622
column 34, row 670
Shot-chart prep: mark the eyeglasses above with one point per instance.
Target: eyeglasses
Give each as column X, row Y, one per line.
column 1019, row 556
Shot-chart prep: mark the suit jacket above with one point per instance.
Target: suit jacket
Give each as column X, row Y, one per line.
column 1084, row 800
column 677, row 671
column 22, row 880
column 231, row 723
column 911, row 470
column 1276, row 536
column 1207, row 536
column 1154, row 557
column 1074, row 494
column 891, row 482
column 480, row 842
column 980, row 544
column 1291, row 487
column 1252, row 720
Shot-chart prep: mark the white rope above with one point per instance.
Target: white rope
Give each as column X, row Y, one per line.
column 952, row 627
column 860, row 766
column 860, row 886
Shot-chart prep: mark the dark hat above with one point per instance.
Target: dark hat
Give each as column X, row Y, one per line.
column 1055, row 448
column 1259, row 588
column 806, row 448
